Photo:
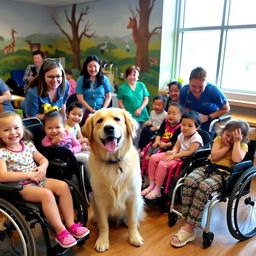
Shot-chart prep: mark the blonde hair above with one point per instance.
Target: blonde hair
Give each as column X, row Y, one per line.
column 26, row 133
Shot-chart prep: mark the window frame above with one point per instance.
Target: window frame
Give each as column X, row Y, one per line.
column 223, row 28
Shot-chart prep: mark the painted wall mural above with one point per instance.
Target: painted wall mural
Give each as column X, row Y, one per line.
column 121, row 33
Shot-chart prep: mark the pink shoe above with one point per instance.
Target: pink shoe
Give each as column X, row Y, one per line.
column 65, row 239
column 78, row 231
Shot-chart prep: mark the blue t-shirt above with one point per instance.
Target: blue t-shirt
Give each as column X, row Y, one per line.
column 6, row 104
column 35, row 104
column 211, row 100
column 94, row 96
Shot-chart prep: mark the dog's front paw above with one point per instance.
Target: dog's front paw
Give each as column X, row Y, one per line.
column 102, row 244
column 136, row 239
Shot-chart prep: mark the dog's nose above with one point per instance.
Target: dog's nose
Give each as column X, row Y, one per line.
column 109, row 129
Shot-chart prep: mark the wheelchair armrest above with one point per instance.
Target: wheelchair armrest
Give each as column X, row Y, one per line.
column 241, row 166
column 58, row 163
column 10, row 187
column 202, row 153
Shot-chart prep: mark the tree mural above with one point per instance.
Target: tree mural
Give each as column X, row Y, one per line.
column 75, row 39
column 140, row 33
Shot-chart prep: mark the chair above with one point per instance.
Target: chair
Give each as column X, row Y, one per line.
column 240, row 191
column 17, row 75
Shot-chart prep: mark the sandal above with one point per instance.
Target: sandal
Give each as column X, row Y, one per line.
column 152, row 195
column 184, row 237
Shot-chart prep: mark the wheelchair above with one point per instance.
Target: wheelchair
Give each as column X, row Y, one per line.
column 185, row 166
column 173, row 174
column 17, row 216
column 239, row 190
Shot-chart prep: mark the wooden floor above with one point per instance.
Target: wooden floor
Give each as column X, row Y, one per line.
column 156, row 234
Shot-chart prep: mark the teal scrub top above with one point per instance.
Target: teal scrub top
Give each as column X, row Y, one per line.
column 132, row 100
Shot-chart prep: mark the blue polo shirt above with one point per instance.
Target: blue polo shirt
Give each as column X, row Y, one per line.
column 6, row 104
column 211, row 100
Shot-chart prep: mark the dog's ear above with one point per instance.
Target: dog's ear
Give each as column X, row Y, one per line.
column 131, row 124
column 87, row 129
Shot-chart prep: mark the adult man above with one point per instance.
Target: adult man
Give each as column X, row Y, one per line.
column 32, row 69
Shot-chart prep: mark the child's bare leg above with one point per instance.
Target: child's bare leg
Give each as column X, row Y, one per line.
column 61, row 189
column 50, row 208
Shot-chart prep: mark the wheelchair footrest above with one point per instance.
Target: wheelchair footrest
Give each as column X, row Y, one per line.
column 58, row 250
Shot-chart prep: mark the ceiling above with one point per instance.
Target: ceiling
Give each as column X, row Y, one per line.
column 54, row 3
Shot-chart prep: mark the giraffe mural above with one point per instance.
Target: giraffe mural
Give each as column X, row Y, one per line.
column 12, row 46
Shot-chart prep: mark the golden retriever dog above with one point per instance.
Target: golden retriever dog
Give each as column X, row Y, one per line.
column 114, row 171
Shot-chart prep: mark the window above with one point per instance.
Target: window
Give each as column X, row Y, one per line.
column 220, row 36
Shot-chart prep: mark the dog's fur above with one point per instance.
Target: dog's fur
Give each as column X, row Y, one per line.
column 114, row 171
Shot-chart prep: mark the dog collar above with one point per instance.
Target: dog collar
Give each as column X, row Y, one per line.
column 115, row 161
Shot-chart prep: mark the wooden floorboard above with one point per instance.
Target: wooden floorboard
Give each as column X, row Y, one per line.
column 156, row 234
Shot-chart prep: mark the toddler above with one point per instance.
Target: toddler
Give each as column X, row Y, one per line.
column 188, row 141
column 57, row 135
column 228, row 148
column 157, row 116
column 72, row 82
column 21, row 162
column 169, row 130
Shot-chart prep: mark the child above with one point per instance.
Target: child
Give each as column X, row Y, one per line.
column 188, row 142
column 174, row 93
column 20, row 161
column 157, row 116
column 72, row 82
column 75, row 113
column 228, row 148
column 57, row 135
column 169, row 130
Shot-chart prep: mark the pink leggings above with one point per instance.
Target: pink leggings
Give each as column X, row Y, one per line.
column 157, row 167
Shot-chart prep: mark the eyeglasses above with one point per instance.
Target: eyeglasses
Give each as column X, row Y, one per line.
column 54, row 77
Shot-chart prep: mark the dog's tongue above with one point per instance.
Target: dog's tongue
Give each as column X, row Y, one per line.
column 111, row 145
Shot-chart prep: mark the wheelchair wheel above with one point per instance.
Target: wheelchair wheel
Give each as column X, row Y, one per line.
column 207, row 239
column 16, row 237
column 80, row 205
column 241, row 211
column 172, row 218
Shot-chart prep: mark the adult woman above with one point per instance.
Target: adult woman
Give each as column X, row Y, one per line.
column 93, row 89
column 205, row 98
column 48, row 91
column 133, row 95
column 5, row 97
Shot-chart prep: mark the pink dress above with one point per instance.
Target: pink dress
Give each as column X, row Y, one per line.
column 72, row 87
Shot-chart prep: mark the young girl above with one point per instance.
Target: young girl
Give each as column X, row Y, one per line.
column 169, row 130
column 174, row 93
column 188, row 142
column 56, row 133
column 228, row 148
column 157, row 116
column 20, row 161
column 72, row 82
column 75, row 113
